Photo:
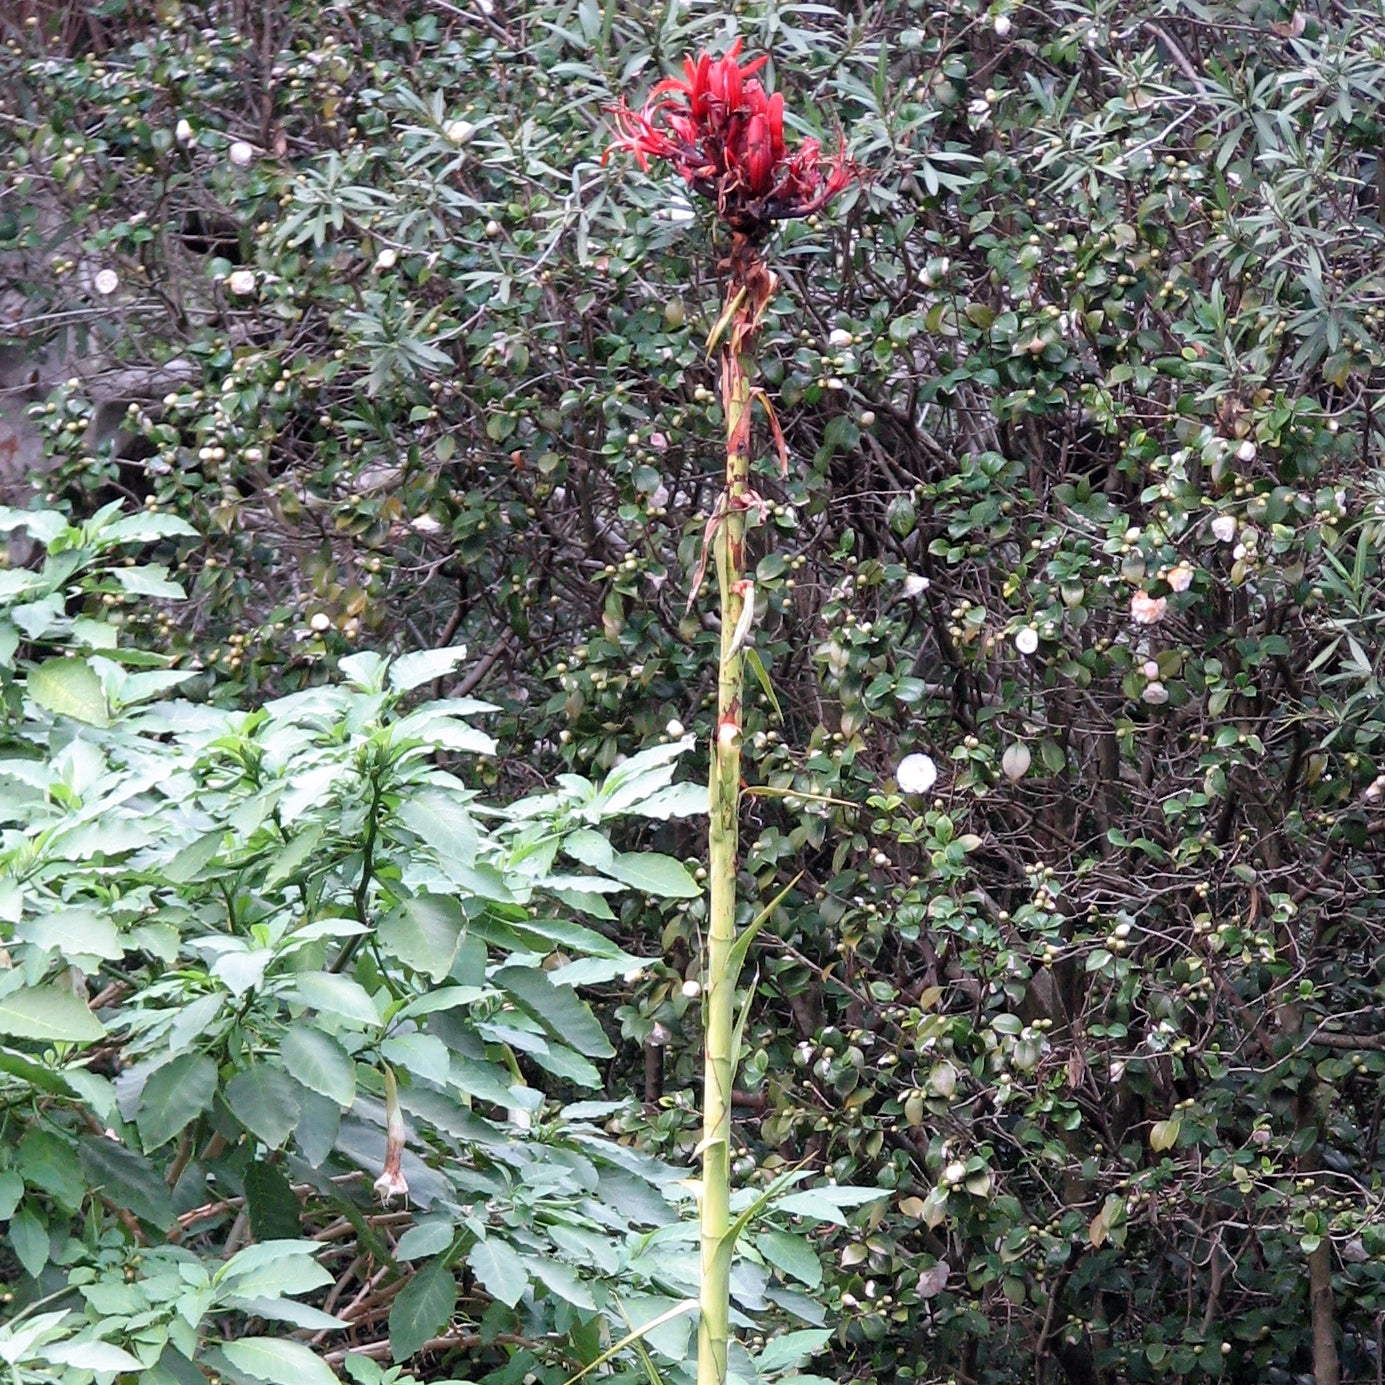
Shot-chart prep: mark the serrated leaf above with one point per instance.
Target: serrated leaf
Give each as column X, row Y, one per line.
column 422, row 1309
column 497, row 1267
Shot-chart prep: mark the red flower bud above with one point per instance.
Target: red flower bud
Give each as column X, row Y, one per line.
column 725, row 135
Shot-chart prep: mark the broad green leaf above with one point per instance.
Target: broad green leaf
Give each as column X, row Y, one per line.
column 287, row 1273
column 29, row 1241
column 49, row 1012
column 175, row 1094
column 792, row 1254
column 288, row 860
column 337, row 995
column 429, row 1237
column 270, row 1202
column 422, row 1309
column 278, row 1361
column 826, row 1203
column 423, row 933
column 558, row 1008
column 444, row 824
column 653, row 874
column 420, row 1055
column 69, row 688
column 127, row 1179
column 423, row 666
column 319, row 1063
column 497, row 1267
column 73, row 933
column 50, row 1164
column 91, row 1356
column 790, row 1348
column 264, row 1099
column 561, row 1280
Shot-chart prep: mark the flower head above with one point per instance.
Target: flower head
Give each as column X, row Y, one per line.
column 725, row 135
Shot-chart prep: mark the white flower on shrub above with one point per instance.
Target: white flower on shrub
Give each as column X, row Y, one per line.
column 1224, row 528
column 916, row 773
column 182, row 131
column 838, row 338
column 241, row 282
column 1155, row 693
column 241, row 154
column 1027, row 640
column 1146, row 609
column 107, row 281
column 386, row 259
column 915, row 584
column 1180, row 578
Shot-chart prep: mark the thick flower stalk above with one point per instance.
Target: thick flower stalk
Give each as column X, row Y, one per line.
column 724, row 134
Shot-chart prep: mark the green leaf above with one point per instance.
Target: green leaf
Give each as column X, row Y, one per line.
column 278, row 1361
column 318, row 1062
column 444, row 824
column 50, row 1164
column 264, row 1099
column 423, row 933
column 429, row 1237
column 790, row 1348
column 29, row 1241
column 654, row 874
column 792, row 1254
column 127, row 1179
column 424, row 666
column 49, row 1012
column 73, row 933
column 272, row 1207
column 422, row 1309
column 91, row 1356
column 69, row 688
column 558, row 1008
column 499, row 1271
column 826, row 1203
column 337, row 995
column 174, row 1095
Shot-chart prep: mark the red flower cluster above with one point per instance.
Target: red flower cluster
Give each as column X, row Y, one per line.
column 725, row 134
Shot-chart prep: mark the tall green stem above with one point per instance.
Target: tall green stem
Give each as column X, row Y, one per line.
column 724, row 806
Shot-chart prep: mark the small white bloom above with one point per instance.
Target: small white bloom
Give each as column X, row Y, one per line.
column 241, row 154
column 107, row 281
column 1002, row 26
column 1155, row 693
column 386, row 259
column 1246, row 451
column 954, row 1172
column 633, row 975
column 321, row 622
column 659, row 496
column 1180, row 578
column 426, row 524
column 915, row 584
column 242, row 281
column 692, row 989
column 1146, row 609
column 1239, row 552
column 461, row 132
column 1151, row 669
column 1224, row 528
column 839, row 338
column 675, row 730
column 1016, row 761
column 1027, row 640
column 916, row 773
column 183, row 130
